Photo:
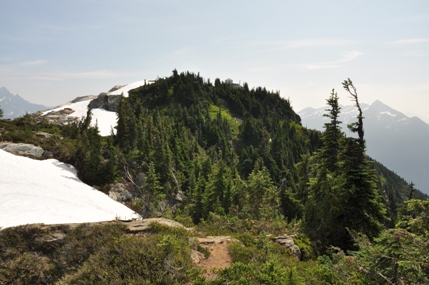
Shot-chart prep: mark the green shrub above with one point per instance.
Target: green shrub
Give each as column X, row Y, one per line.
column 271, row 272
column 28, row 268
column 304, row 244
column 131, row 260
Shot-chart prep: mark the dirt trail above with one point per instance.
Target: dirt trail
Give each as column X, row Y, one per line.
column 219, row 255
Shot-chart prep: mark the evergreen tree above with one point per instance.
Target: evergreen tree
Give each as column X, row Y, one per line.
column 331, row 136
column 343, row 191
column 365, row 210
column 152, row 186
column 1, row 113
column 324, row 203
column 217, row 194
column 262, row 198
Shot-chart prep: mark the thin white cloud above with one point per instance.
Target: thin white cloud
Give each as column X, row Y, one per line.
column 181, row 51
column 59, row 75
column 96, row 74
column 350, row 55
column 303, row 43
column 416, row 53
column 322, row 66
column 35, row 62
column 410, row 41
column 46, row 78
column 5, row 59
column 416, row 19
column 346, row 57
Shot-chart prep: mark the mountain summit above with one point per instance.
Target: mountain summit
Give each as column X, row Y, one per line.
column 15, row 106
column 397, row 141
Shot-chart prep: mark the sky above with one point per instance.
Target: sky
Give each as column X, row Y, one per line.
column 53, row 51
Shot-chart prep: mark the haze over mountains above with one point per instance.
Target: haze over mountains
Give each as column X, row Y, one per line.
column 397, row 141
column 15, row 106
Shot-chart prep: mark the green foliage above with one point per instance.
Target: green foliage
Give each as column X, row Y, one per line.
column 271, row 272
column 95, row 254
column 27, row 258
column 154, row 260
column 396, row 256
column 304, row 244
column 93, row 168
column 338, row 268
column 342, row 190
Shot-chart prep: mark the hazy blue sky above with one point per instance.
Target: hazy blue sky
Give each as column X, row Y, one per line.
column 54, row 51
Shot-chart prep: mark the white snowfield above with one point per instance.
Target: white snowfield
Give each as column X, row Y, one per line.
column 106, row 120
column 49, row 192
column 124, row 89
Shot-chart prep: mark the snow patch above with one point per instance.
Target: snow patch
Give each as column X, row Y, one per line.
column 50, row 192
column 125, row 89
column 106, row 120
column 388, row 113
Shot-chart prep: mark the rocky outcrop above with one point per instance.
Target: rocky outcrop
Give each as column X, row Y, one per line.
column 287, row 241
column 43, row 135
column 59, row 231
column 59, row 117
column 107, row 102
column 212, row 240
column 137, row 226
column 23, row 149
column 119, row 193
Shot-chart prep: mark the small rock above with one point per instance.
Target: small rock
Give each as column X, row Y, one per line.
column 287, row 241
column 44, row 135
column 140, row 179
column 197, row 256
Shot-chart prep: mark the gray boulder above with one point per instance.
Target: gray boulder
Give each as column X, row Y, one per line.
column 23, row 149
column 107, row 102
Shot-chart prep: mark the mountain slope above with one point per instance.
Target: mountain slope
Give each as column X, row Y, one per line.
column 397, row 141
column 15, row 106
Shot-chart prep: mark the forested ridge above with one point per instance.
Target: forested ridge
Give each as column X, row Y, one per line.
column 244, row 165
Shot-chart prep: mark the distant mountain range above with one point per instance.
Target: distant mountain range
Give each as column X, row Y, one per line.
column 15, row 106
column 397, row 141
